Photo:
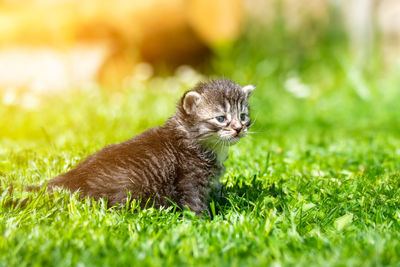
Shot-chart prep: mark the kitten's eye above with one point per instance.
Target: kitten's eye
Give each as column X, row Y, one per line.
column 243, row 117
column 221, row 119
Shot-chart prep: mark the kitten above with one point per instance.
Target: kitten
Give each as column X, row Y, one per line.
column 177, row 161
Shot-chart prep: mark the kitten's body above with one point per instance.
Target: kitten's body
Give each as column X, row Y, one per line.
column 160, row 162
column 176, row 161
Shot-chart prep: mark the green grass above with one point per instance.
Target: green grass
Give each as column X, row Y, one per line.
column 318, row 183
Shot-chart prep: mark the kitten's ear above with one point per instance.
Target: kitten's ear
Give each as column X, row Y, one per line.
column 190, row 100
column 248, row 90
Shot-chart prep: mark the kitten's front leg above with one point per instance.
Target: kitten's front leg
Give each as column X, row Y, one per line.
column 195, row 201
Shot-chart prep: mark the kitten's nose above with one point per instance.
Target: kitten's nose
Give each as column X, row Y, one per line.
column 237, row 126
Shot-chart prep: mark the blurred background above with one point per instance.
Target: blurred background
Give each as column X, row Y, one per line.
column 314, row 57
column 50, row 45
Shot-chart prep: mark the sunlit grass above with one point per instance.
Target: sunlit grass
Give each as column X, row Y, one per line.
column 317, row 183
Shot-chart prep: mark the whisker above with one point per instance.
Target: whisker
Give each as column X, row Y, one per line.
column 215, row 144
column 255, row 119
column 251, row 124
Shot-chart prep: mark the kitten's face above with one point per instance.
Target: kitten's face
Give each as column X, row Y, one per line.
column 220, row 112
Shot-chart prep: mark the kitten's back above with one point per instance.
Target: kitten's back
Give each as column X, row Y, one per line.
column 143, row 165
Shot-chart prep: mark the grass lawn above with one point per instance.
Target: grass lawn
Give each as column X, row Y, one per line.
column 317, row 183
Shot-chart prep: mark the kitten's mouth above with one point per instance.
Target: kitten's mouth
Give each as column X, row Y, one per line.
column 231, row 138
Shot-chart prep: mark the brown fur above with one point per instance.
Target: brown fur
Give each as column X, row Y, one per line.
column 176, row 161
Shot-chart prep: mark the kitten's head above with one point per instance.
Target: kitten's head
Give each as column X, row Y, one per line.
column 217, row 111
